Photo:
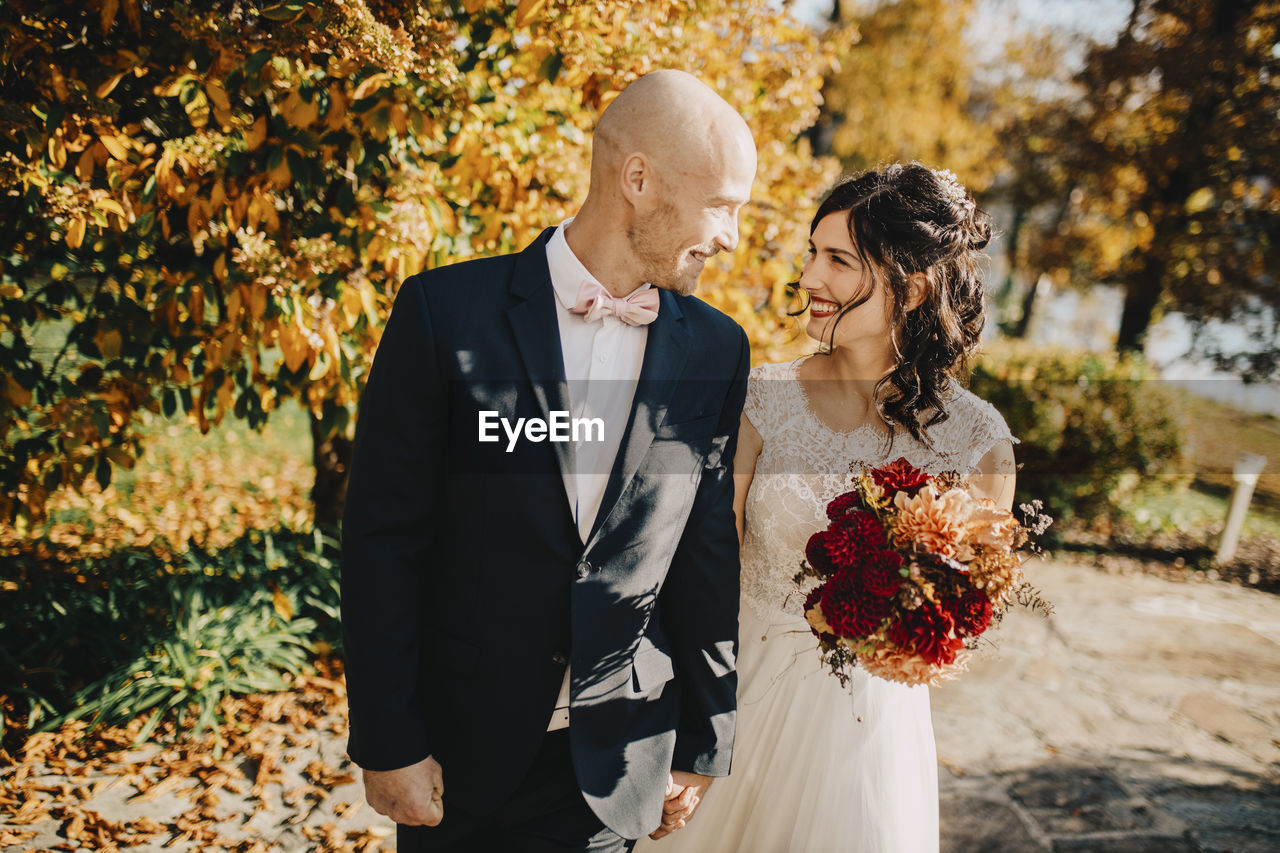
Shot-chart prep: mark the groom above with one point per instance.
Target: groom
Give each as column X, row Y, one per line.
column 540, row 564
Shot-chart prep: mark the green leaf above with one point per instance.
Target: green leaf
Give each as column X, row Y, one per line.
column 282, row 11
column 255, row 63
column 550, row 68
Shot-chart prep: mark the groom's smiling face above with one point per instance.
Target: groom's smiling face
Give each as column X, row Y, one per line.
column 696, row 218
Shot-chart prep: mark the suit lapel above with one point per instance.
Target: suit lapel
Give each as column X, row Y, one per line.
column 537, row 335
column 664, row 357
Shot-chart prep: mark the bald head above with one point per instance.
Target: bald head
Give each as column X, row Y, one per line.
column 673, row 119
column 671, row 166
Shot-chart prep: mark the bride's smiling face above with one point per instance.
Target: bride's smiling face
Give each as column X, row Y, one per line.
column 834, row 276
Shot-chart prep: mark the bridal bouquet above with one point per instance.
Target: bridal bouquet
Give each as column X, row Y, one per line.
column 911, row 570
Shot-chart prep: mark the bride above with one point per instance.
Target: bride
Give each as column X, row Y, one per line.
column 895, row 300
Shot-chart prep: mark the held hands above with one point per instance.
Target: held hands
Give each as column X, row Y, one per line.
column 684, row 792
column 411, row 795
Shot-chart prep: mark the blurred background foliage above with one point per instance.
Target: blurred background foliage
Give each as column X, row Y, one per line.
column 211, row 204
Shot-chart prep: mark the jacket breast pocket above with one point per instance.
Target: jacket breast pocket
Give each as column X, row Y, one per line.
column 650, row 670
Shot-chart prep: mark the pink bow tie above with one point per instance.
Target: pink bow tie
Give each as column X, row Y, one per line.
column 637, row 308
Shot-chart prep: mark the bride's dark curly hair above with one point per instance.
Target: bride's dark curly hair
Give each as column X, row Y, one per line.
column 908, row 219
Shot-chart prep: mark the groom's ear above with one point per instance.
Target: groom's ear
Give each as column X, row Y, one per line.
column 637, row 179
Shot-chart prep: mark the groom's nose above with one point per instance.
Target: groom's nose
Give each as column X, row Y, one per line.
column 727, row 239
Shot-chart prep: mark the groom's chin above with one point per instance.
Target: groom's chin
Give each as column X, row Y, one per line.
column 681, row 285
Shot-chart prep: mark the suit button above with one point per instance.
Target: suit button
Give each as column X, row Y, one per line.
column 559, row 659
column 584, row 570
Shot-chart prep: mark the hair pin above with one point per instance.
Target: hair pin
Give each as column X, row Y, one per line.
column 953, row 189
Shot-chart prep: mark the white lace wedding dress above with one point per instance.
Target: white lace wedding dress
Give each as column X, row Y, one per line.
column 818, row 767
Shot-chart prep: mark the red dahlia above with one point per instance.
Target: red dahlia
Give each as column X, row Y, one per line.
column 842, row 505
column 849, row 609
column 971, row 612
column 899, row 476
column 927, row 632
column 880, row 573
column 816, row 552
column 851, row 539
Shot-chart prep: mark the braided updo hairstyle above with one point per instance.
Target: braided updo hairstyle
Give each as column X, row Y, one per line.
column 908, row 219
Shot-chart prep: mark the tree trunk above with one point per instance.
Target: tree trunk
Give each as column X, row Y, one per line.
column 1142, row 294
column 332, row 457
column 823, row 130
column 1030, row 305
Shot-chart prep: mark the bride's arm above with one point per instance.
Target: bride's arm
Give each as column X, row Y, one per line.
column 744, row 469
column 994, row 477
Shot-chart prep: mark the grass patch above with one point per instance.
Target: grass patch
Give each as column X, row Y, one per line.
column 1217, row 434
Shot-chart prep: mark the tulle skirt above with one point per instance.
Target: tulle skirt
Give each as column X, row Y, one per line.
column 817, row 767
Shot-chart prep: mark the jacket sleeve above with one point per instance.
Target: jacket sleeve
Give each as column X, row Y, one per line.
column 700, row 601
column 388, row 530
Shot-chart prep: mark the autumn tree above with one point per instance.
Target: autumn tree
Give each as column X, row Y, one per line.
column 210, row 204
column 908, row 90
column 1163, row 160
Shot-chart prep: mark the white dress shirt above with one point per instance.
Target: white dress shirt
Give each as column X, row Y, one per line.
column 602, row 362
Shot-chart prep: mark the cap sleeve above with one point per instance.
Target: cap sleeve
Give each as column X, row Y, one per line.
column 766, row 387
column 989, row 428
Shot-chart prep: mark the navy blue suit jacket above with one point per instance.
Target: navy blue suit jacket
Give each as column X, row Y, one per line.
column 466, row 585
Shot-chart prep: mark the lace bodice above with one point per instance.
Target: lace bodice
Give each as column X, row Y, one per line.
column 804, row 464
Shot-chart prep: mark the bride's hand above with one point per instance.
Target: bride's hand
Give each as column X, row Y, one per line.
column 684, row 793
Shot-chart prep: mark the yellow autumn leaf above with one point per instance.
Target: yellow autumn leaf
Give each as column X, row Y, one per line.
column 256, row 135
column 84, row 167
column 281, row 602
column 109, row 85
column 198, row 109
column 121, row 457
column 114, row 146
column 369, row 86
column 298, row 112
column 527, row 10
column 337, row 113
column 257, row 301
column 17, row 395
column 320, row 367
column 293, row 346
column 196, row 306
column 108, row 17
column 370, row 305
column 110, row 205
column 217, row 95
column 75, row 233
column 108, row 341
column 280, row 176
column 57, row 151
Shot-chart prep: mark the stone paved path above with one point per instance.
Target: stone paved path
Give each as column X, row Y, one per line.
column 1143, row 716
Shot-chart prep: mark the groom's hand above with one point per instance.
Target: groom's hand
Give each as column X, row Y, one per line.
column 684, row 793
column 412, row 795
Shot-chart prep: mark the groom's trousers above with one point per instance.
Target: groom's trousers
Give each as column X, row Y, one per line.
column 547, row 813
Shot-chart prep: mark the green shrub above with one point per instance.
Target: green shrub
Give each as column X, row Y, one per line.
column 205, row 653
column 1096, row 429
column 135, row 630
